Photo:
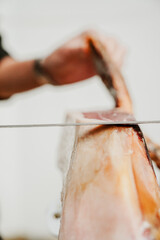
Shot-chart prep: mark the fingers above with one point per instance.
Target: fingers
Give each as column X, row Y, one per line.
column 116, row 50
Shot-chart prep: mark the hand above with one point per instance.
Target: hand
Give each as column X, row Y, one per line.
column 72, row 62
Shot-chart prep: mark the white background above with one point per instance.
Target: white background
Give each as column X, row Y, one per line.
column 30, row 182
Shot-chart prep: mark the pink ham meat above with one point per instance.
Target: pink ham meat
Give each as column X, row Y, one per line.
column 110, row 190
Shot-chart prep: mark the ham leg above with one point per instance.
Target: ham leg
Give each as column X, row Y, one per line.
column 110, row 190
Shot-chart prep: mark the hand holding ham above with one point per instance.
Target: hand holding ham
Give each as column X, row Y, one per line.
column 70, row 63
column 73, row 62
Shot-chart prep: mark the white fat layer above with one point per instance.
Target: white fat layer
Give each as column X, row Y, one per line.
column 68, row 138
column 67, row 143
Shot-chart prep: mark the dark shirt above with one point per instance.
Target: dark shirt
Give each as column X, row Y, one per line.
column 3, row 53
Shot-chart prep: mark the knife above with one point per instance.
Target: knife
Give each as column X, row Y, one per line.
column 107, row 123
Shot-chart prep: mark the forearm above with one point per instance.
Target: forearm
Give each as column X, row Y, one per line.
column 70, row 63
column 16, row 77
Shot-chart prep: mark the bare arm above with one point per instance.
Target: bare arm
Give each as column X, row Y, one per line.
column 18, row 77
column 70, row 63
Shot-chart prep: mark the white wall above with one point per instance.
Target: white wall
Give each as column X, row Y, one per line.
column 29, row 180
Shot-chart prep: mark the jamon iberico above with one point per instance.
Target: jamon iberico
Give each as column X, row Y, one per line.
column 110, row 189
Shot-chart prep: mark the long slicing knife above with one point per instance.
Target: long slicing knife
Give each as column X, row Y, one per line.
column 104, row 123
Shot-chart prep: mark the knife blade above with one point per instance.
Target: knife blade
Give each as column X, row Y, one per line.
column 70, row 124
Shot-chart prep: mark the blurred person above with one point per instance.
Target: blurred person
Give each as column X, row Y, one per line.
column 68, row 64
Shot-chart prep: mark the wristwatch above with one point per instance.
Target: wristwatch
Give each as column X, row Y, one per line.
column 42, row 71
